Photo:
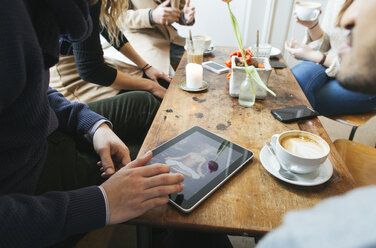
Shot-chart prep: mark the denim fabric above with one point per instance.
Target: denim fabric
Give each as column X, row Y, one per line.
column 326, row 95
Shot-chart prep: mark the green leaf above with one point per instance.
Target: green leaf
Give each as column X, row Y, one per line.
column 253, row 73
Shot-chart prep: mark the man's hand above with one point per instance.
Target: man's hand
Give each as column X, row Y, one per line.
column 113, row 152
column 165, row 15
column 154, row 74
column 189, row 12
column 136, row 188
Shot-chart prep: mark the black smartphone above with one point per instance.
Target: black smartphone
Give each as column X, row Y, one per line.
column 277, row 64
column 295, row 113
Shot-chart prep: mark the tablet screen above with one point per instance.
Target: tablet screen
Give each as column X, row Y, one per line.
column 205, row 160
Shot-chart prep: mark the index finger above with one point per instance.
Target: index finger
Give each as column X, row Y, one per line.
column 188, row 3
column 164, row 179
column 154, row 169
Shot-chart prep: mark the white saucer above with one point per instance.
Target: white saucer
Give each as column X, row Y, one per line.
column 204, row 86
column 323, row 174
column 275, row 51
column 209, row 51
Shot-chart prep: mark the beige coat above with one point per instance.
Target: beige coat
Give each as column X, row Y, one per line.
column 152, row 42
column 64, row 78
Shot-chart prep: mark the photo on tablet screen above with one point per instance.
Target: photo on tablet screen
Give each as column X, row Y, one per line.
column 204, row 159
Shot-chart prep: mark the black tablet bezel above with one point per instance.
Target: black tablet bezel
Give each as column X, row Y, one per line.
column 187, row 205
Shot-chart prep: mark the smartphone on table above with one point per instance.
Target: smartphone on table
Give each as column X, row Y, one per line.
column 215, row 67
column 294, row 113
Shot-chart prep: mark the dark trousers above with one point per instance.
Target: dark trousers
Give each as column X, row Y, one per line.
column 71, row 163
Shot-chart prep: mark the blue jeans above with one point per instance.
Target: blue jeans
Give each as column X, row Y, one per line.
column 326, row 95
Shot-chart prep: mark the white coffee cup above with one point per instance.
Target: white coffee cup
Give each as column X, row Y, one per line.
column 207, row 40
column 299, row 151
column 307, row 11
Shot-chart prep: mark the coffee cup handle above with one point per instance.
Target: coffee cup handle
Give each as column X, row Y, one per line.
column 274, row 141
column 316, row 14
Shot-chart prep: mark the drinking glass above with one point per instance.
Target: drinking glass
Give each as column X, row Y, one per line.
column 195, row 50
column 263, row 50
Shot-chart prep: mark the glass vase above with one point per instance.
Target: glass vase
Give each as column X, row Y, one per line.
column 247, row 95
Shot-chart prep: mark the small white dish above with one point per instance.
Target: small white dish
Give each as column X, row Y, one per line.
column 209, row 51
column 275, row 51
column 183, row 86
column 320, row 176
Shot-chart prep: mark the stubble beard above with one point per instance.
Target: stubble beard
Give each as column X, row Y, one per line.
column 359, row 76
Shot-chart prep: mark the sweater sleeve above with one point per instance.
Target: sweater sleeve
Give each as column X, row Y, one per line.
column 322, row 44
column 89, row 55
column 36, row 221
column 74, row 118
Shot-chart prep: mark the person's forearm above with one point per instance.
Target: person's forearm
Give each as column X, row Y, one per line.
column 124, row 81
column 128, row 51
column 315, row 32
column 318, row 56
column 328, row 61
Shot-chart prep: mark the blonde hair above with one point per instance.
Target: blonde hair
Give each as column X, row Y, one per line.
column 343, row 9
column 109, row 17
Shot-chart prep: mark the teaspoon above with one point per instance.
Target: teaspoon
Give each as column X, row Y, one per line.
column 283, row 172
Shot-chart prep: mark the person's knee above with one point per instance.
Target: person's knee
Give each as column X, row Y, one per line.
column 144, row 105
column 145, row 97
column 140, row 97
column 309, row 75
column 307, row 69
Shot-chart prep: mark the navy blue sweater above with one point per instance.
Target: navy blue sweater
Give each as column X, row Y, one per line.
column 29, row 112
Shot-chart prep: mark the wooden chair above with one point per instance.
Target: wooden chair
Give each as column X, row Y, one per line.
column 359, row 159
column 355, row 120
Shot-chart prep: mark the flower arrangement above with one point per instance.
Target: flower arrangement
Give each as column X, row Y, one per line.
column 250, row 70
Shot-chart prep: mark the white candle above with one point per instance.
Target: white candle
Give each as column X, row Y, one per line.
column 193, row 75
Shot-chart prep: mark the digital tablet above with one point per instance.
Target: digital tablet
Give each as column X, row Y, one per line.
column 205, row 159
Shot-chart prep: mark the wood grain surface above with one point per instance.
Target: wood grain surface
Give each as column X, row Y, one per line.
column 252, row 202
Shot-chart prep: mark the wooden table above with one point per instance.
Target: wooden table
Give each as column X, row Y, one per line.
column 252, row 202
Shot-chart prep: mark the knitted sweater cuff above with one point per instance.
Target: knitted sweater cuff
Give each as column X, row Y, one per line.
column 86, row 211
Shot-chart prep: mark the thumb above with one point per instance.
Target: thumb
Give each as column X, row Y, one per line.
column 187, row 3
column 138, row 162
column 165, row 3
column 108, row 165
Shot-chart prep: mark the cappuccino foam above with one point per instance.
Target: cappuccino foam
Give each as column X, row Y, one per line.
column 310, row 5
column 302, row 146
